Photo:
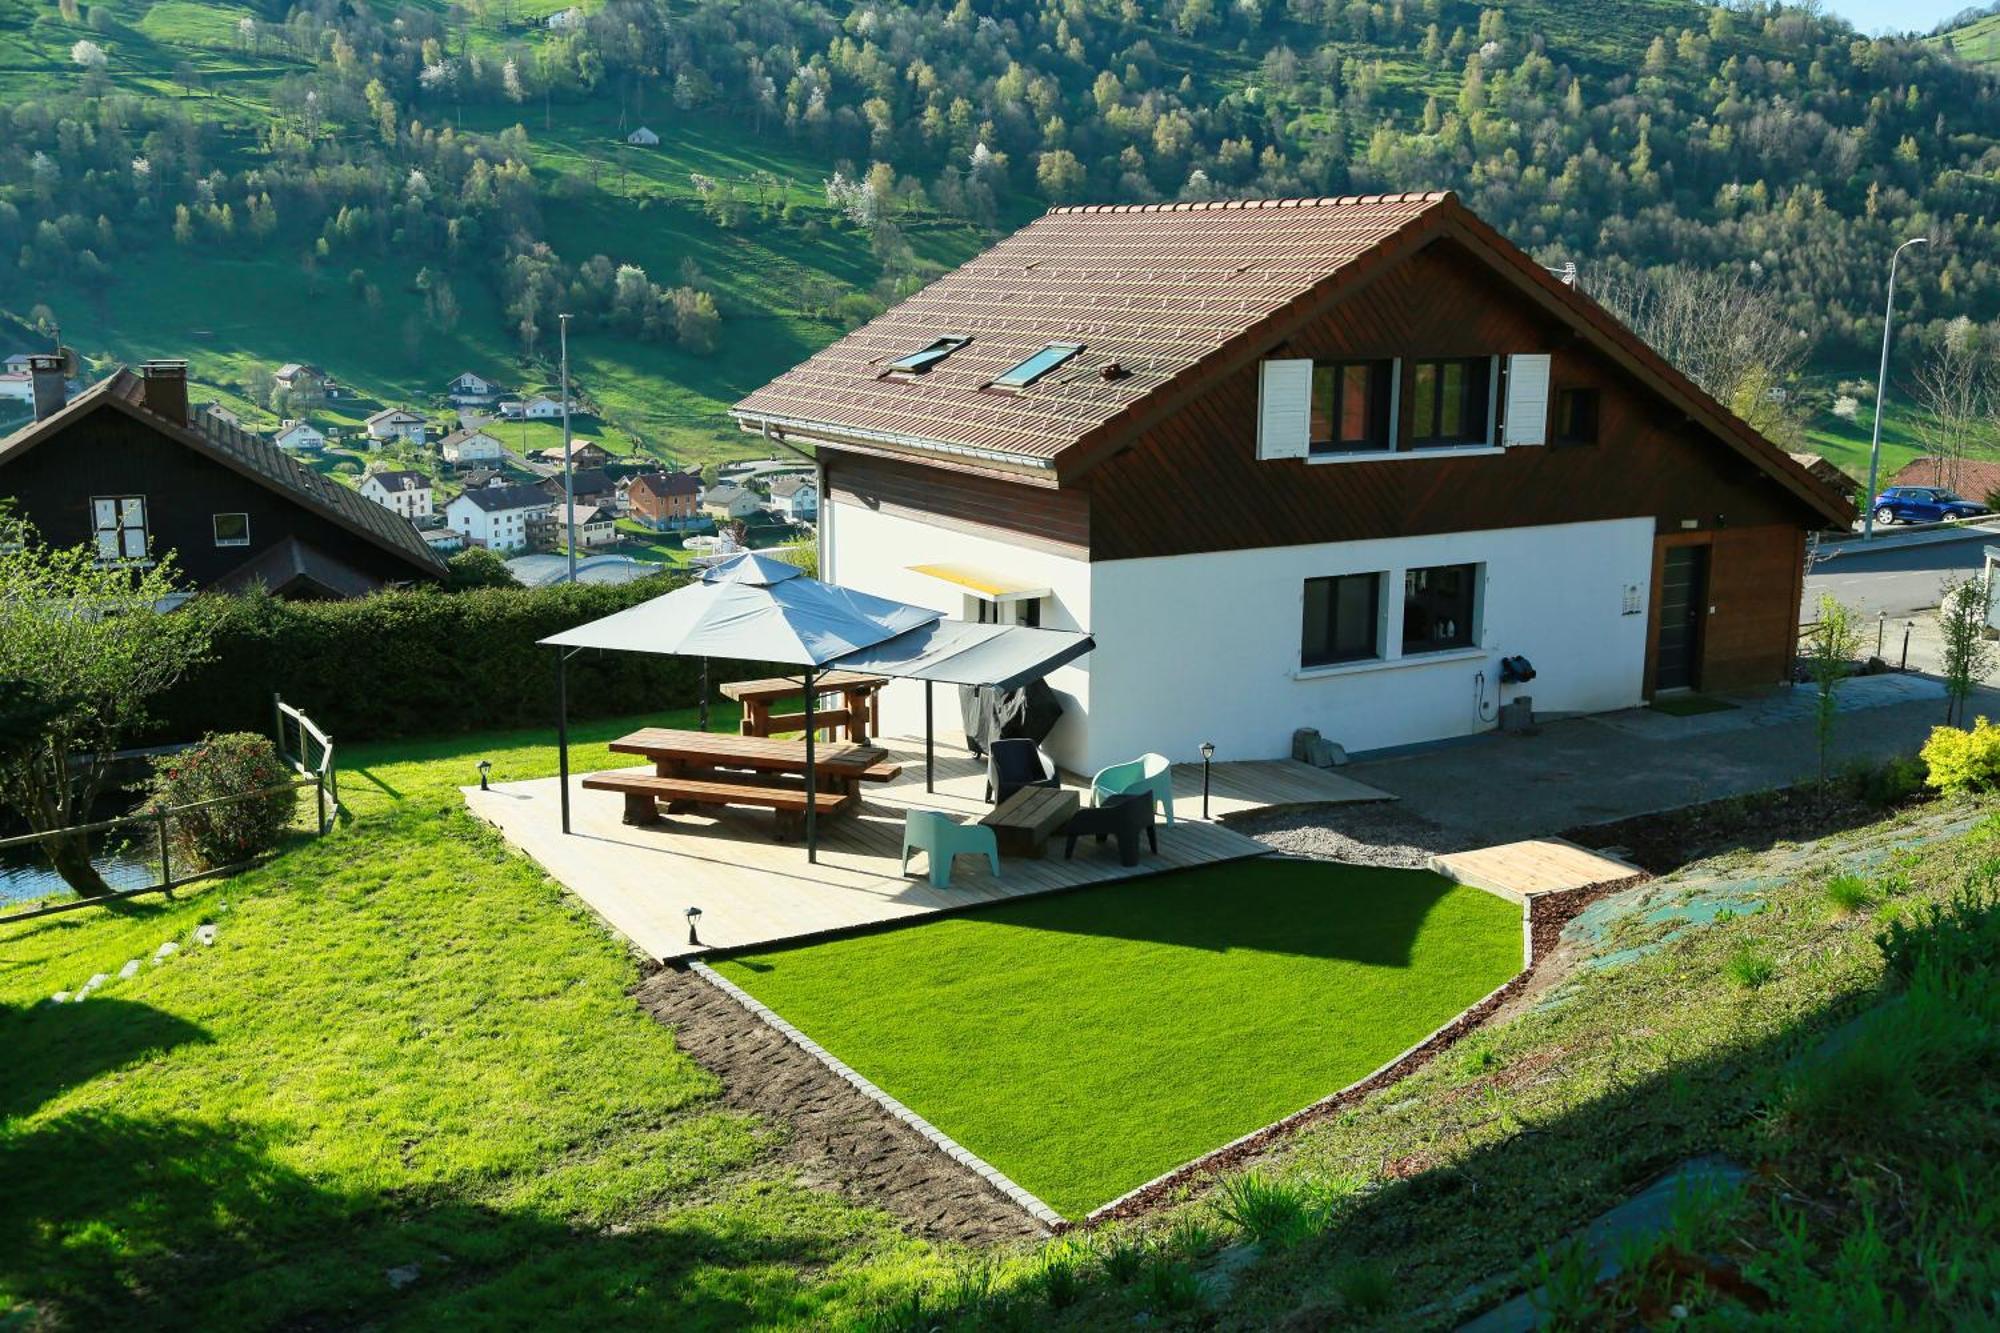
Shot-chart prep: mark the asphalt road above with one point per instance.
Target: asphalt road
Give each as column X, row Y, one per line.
column 1898, row 580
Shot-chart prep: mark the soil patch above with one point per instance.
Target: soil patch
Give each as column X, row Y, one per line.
column 1670, row 839
column 834, row 1136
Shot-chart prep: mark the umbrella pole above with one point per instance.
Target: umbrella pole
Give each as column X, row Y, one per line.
column 562, row 734
column 928, row 731
column 704, row 694
column 812, row 814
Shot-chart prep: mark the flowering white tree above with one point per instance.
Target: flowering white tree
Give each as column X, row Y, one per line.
column 88, row 54
column 510, row 80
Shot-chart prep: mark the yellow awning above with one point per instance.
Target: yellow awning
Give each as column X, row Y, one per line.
column 984, row 584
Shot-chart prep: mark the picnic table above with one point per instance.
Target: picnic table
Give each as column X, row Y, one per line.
column 693, row 769
column 860, row 708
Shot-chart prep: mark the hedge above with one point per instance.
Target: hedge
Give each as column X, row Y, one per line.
column 418, row 663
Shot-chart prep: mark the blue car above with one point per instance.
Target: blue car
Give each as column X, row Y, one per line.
column 1924, row 504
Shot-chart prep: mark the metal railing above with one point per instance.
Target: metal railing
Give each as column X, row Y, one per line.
column 158, row 823
column 309, row 751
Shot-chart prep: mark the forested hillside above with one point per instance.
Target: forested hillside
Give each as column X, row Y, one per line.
column 401, row 193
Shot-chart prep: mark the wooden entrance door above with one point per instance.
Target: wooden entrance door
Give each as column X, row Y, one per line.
column 1683, row 606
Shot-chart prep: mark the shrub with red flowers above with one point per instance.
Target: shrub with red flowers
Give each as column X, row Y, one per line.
column 238, row 764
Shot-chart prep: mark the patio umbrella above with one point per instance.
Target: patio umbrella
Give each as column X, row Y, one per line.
column 752, row 607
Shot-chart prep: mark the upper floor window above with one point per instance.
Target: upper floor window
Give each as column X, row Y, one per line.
column 1450, row 403
column 1576, row 416
column 1351, row 406
column 1036, row 366
column 232, row 529
column 119, row 522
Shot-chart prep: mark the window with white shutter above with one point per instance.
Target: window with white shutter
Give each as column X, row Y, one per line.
column 1527, row 399
column 1284, row 408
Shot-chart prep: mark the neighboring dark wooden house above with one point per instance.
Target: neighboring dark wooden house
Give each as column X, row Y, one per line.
column 123, row 466
column 1323, row 463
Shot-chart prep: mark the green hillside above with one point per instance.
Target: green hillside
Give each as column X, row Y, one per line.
column 397, row 194
column 1977, row 42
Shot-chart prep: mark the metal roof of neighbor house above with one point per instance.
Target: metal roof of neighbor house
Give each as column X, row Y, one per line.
column 493, row 499
column 251, row 455
column 664, row 484
column 399, row 480
column 1162, row 299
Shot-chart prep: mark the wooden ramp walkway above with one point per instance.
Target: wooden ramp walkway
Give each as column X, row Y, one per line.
column 753, row 890
column 1519, row 871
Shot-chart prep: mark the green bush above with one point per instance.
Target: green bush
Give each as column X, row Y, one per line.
column 418, row 663
column 1961, row 761
column 231, row 832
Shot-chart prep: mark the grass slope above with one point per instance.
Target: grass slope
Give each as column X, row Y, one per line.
column 405, row 1048
column 1084, row 1043
column 1978, row 42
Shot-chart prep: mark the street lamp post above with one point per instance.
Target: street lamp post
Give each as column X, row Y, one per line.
column 569, row 478
column 1882, row 387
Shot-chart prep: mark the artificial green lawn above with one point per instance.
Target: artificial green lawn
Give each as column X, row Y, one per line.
column 1083, row 1043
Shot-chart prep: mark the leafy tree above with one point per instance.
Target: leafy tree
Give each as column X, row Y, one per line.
column 477, row 567
column 86, row 648
column 1967, row 655
column 1834, row 639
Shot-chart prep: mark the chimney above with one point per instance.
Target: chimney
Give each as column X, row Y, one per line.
column 164, row 390
column 50, row 385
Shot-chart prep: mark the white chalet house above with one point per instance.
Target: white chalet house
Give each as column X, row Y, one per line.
column 643, row 138
column 299, row 437
column 795, row 497
column 396, row 423
column 498, row 517
column 1358, row 465
column 403, row 492
column 467, row 387
column 463, row 447
column 536, row 407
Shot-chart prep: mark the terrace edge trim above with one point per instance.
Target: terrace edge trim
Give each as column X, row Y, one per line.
column 992, row 1175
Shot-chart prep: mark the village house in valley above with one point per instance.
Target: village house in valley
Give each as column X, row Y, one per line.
column 595, row 525
column 304, row 380
column 462, row 447
column 582, row 453
column 403, row 492
column 590, row 485
column 299, row 437
column 500, row 518
column 1350, row 464
column 795, row 498
column 536, row 407
column 126, row 467
column 664, row 501
column 396, row 423
column 726, row 502
column 470, row 390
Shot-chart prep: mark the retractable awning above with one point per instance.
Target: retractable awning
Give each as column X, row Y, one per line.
column 956, row 652
column 984, row 584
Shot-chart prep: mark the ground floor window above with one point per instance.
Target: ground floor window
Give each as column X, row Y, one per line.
column 1440, row 605
column 1342, row 620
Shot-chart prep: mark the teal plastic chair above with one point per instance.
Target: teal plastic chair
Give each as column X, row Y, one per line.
column 943, row 838
column 1148, row 773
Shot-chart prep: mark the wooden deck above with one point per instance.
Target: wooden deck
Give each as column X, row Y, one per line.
column 1523, row 870
column 753, row 890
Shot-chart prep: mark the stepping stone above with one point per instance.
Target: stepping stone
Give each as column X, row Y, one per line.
column 130, row 970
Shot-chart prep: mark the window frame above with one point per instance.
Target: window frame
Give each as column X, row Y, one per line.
column 1382, row 378
column 924, row 358
column 119, row 528
column 1476, row 402
column 1473, row 599
column 1330, row 656
column 1560, row 433
column 215, row 530
column 1017, row 378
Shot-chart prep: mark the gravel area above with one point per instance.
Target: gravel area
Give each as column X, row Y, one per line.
column 1369, row 833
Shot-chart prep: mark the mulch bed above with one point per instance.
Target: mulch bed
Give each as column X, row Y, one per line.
column 1666, row 841
column 834, row 1136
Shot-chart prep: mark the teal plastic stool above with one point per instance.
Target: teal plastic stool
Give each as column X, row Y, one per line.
column 1148, row 773
column 942, row 838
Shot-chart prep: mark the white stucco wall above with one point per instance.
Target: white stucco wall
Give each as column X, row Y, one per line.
column 871, row 551
column 1206, row 647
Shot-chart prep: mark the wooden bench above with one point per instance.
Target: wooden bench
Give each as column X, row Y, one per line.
column 644, row 791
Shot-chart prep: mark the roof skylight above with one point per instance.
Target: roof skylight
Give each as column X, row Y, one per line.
column 1036, row 366
column 916, row 363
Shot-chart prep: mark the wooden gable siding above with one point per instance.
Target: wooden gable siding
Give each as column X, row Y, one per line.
column 1195, row 484
column 108, row 453
column 1036, row 516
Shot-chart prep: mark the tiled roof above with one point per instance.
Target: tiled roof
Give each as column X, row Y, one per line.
column 495, row 498
column 1149, row 291
column 401, row 480
column 790, row 484
column 1972, row 478
column 254, row 457
column 664, row 484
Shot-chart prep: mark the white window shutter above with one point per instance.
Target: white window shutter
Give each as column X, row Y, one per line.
column 1527, row 399
column 1284, row 408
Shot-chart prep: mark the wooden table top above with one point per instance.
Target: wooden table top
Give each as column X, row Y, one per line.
column 785, row 687
column 760, row 752
column 1033, row 808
